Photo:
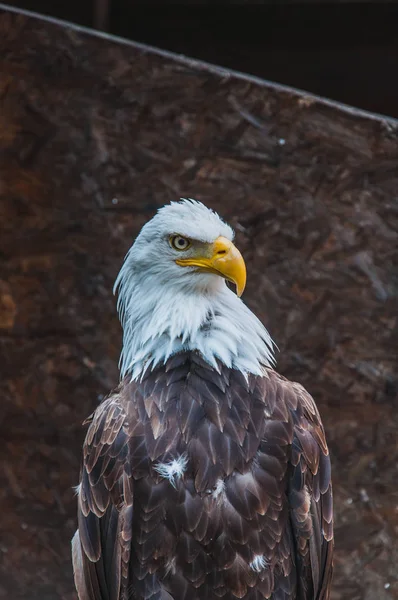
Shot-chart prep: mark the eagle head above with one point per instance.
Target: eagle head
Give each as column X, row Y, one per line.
column 173, row 294
column 188, row 246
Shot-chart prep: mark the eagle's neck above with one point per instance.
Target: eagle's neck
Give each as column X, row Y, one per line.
column 159, row 322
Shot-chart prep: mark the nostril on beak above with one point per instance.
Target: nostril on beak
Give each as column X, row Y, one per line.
column 221, row 252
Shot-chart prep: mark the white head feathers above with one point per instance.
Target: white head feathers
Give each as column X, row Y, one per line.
column 190, row 218
column 165, row 308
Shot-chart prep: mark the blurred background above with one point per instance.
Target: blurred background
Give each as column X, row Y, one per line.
column 96, row 135
column 347, row 51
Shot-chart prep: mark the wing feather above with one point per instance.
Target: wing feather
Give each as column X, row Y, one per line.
column 101, row 547
column 310, row 497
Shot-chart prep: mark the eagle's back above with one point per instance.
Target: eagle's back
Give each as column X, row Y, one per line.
column 200, row 484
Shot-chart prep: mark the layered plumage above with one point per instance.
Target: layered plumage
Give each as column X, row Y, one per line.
column 206, row 474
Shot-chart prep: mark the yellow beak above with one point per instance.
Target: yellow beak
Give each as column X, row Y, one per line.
column 223, row 259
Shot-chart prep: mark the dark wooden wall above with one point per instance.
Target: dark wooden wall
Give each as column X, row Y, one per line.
column 345, row 51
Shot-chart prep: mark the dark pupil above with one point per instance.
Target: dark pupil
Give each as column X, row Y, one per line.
column 180, row 242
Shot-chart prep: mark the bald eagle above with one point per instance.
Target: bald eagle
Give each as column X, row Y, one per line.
column 205, row 474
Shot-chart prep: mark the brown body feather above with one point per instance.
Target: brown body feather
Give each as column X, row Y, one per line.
column 256, row 483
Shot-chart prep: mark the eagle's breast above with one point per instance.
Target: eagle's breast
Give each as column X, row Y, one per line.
column 208, row 453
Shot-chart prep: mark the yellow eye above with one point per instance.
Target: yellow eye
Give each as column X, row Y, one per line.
column 179, row 243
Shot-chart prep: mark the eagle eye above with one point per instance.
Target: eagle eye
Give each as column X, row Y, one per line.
column 179, row 243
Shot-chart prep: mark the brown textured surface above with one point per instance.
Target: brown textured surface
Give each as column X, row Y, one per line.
column 93, row 137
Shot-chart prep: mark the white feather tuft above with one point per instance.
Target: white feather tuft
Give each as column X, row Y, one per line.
column 170, row 566
column 219, row 489
column 173, row 470
column 259, row 563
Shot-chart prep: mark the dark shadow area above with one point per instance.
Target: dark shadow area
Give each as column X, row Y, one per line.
column 347, row 52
